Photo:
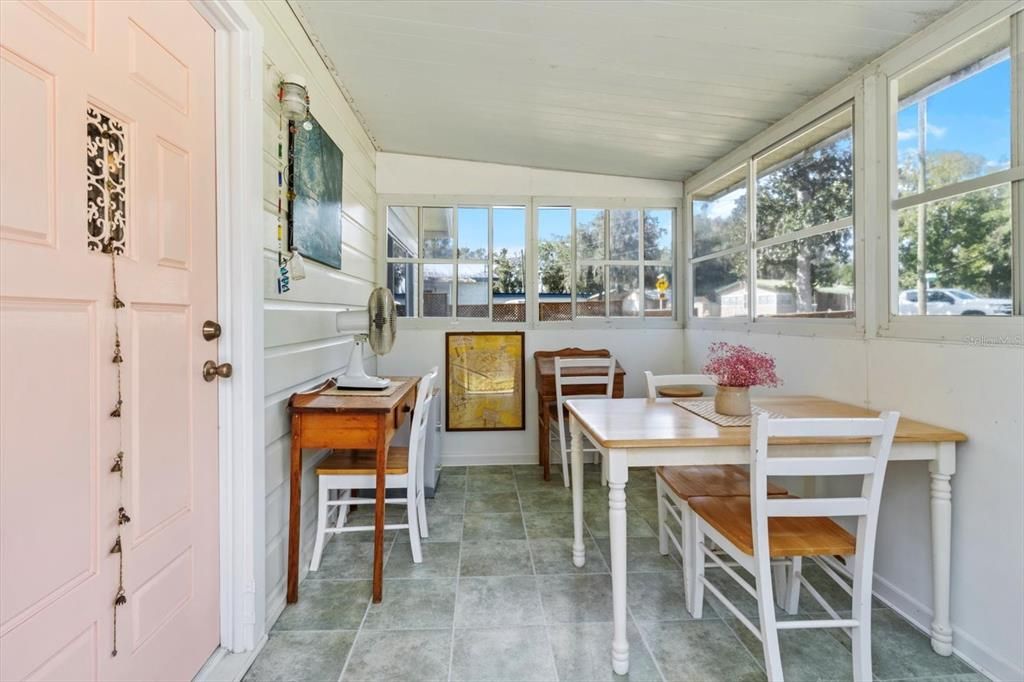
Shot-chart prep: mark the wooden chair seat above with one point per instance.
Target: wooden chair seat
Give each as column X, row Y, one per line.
column 679, row 392
column 788, row 536
column 711, row 481
column 358, row 462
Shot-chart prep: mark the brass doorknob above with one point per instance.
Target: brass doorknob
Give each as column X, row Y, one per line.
column 211, row 370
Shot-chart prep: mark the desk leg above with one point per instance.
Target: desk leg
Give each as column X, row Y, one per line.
column 544, row 439
column 294, row 510
column 378, row 512
column 942, row 470
column 579, row 551
column 618, row 473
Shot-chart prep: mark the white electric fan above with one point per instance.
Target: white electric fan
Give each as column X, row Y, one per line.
column 381, row 336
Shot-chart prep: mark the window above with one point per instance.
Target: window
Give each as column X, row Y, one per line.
column 457, row 261
column 952, row 202
column 801, row 245
column 604, row 263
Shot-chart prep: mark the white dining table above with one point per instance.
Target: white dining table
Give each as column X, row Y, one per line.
column 640, row 432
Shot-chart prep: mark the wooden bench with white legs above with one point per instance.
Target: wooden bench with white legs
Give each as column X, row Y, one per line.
column 345, row 471
column 754, row 530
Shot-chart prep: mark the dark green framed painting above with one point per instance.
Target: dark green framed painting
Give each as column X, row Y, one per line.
column 314, row 206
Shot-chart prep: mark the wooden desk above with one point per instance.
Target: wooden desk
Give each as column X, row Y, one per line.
column 544, row 367
column 344, row 422
column 643, row 433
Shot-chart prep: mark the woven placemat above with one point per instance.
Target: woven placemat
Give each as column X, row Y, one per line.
column 705, row 409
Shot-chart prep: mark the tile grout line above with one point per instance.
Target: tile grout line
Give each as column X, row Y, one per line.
column 458, row 575
column 536, row 582
column 369, row 603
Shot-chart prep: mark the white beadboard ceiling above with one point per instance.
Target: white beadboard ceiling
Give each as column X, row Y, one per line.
column 644, row 89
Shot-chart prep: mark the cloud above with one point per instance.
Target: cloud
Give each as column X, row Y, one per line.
column 911, row 133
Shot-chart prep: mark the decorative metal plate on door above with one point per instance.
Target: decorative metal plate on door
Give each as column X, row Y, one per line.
column 106, row 154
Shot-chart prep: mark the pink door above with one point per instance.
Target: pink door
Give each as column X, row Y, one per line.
column 143, row 72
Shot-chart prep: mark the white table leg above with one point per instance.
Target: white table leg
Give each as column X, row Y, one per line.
column 942, row 470
column 618, row 473
column 579, row 550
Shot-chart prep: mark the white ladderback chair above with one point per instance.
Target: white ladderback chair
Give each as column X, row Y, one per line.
column 754, row 530
column 675, row 485
column 346, row 471
column 603, row 383
column 655, row 380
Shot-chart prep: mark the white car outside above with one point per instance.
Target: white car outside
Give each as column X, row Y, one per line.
column 954, row 302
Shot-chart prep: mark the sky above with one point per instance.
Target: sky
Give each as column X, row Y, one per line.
column 971, row 116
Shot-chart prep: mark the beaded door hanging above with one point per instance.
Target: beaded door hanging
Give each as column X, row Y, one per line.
column 106, row 222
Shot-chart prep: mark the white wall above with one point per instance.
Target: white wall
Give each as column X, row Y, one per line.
column 302, row 345
column 978, row 390
column 417, row 350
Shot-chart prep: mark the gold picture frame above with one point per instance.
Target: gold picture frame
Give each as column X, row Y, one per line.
column 485, row 375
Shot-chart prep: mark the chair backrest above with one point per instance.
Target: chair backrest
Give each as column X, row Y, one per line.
column 655, row 380
column 420, row 422
column 603, row 377
column 870, row 465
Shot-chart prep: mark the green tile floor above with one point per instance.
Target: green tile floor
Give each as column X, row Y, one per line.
column 498, row 598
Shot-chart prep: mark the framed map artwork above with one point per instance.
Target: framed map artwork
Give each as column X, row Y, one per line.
column 486, row 375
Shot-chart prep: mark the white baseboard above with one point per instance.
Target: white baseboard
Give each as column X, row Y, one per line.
column 473, row 459
column 973, row 652
column 225, row 666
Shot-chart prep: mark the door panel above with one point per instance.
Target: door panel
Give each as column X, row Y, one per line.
column 150, row 66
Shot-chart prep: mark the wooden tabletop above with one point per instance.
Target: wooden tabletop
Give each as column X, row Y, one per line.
column 639, row 422
column 318, row 402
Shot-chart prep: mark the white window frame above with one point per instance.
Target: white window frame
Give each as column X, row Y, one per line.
column 455, row 203
column 844, row 96
column 610, row 204
column 874, row 221
column 985, row 330
column 530, row 260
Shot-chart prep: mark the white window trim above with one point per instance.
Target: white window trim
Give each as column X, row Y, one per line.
column 990, row 330
column 455, row 202
column 530, row 259
column 804, row 120
column 869, row 87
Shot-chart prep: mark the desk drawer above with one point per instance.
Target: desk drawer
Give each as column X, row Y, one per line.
column 340, row 431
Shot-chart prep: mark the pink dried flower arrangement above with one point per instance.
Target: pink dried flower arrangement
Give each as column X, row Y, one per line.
column 740, row 366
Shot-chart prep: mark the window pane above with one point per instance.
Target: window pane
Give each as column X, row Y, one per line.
column 658, row 291
column 554, row 265
column 473, row 233
column 967, row 262
column 954, row 114
column 590, row 234
column 437, row 232
column 658, row 223
column 402, row 283
column 808, row 180
column 403, row 231
column 590, row 293
column 720, row 214
column 437, row 290
column 624, row 290
column 720, row 286
column 473, row 285
column 810, row 277
column 625, row 234
column 508, row 285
